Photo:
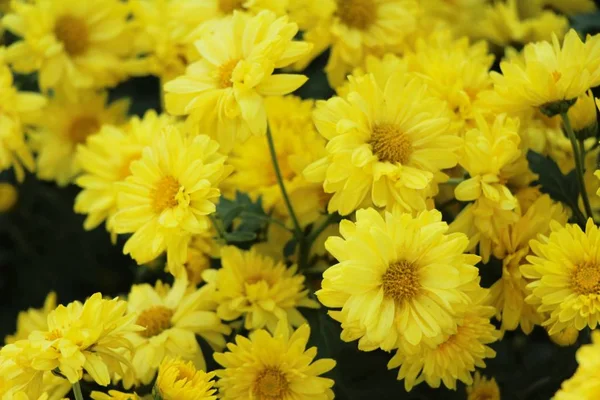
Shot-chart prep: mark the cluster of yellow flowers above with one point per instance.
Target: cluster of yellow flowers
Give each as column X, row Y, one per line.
column 398, row 188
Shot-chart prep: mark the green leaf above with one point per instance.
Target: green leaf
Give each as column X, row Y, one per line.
column 290, row 247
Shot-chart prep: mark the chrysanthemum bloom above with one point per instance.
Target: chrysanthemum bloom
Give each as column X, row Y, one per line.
column 483, row 389
column 509, row 292
column 67, row 123
column 380, row 67
column 168, row 196
column 259, row 289
column 387, row 145
column 180, row 380
column 585, row 383
column 398, row 277
column 565, row 276
column 70, row 43
column 456, row 356
column 105, row 159
column 582, row 116
column 114, row 395
column 297, row 144
column 33, row 319
column 172, row 316
column 551, row 76
column 18, row 109
column 266, row 367
column 8, row 196
column 223, row 92
column 356, row 28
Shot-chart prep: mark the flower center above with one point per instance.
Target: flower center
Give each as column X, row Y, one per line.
column 271, row 384
column 185, row 371
column 358, row 14
column 225, row 72
column 390, row 144
column 83, row 127
column 155, row 319
column 165, row 194
column 585, row 279
column 227, row 6
column 401, row 281
column 53, row 334
column 556, row 76
column 72, row 32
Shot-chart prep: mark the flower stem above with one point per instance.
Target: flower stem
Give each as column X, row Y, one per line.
column 77, row 391
column 318, row 230
column 579, row 164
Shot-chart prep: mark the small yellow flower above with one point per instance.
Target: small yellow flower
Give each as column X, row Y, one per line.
column 222, row 93
column 483, row 389
column 8, row 196
column 67, row 123
column 582, row 116
column 275, row 366
column 33, row 319
column 168, row 196
column 179, row 380
column 259, row 289
column 584, row 384
column 566, row 337
column 114, row 395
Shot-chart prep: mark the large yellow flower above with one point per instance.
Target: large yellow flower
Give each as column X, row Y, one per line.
column 585, row 383
column 266, row 367
column 18, row 109
column 548, row 76
column 456, row 356
column 68, row 121
column 259, row 289
column 105, row 159
column 172, row 316
column 387, row 145
column 179, row 380
column 297, row 144
column 33, row 319
column 70, row 43
column 223, row 92
column 509, row 292
column 169, row 195
column 565, row 276
column 399, row 277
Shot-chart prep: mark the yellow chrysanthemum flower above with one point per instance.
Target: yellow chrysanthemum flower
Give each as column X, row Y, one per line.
column 273, row 367
column 179, row 380
column 399, row 277
column 105, row 159
column 223, row 92
column 114, row 395
column 456, row 356
column 45, row 385
column 259, row 289
column 509, row 292
column 70, row 43
column 550, row 76
column 34, row 319
column 67, row 123
column 387, row 145
column 483, row 389
column 8, row 196
column 584, row 384
column 297, row 144
column 582, row 116
column 565, row 276
column 201, row 249
column 168, row 196
column 18, row 110
column 172, row 316
column 380, row 67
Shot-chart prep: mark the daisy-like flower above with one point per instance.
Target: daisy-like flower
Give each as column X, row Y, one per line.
column 508, row 294
column 105, row 159
column 223, row 92
column 18, row 110
column 297, row 144
column 398, row 277
column 259, row 289
column 277, row 366
column 584, row 384
column 483, row 388
column 172, row 317
column 179, row 380
column 550, row 76
column 565, row 276
column 70, row 43
column 34, row 319
column 68, row 122
column 386, row 145
column 456, row 356
column 168, row 196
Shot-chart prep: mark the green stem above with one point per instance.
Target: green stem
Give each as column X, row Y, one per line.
column 579, row 166
column 286, row 199
column 218, row 227
column 77, row 391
